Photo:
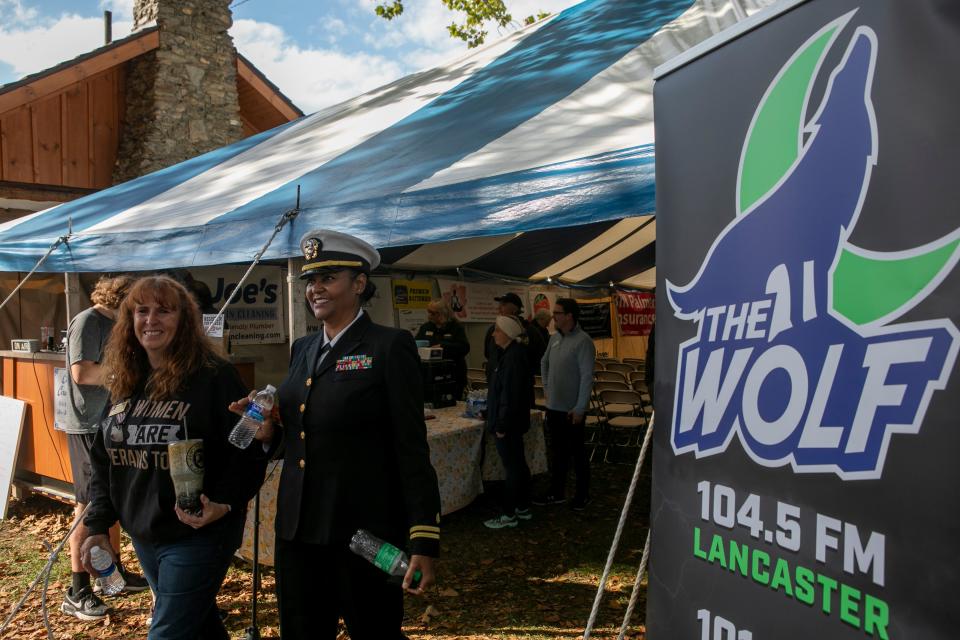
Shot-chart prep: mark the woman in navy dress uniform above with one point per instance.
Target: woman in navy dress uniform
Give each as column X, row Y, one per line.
column 355, row 456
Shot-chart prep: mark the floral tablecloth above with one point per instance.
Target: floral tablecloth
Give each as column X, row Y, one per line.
column 461, row 454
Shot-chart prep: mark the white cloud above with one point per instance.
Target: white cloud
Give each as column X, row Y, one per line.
column 336, row 26
column 122, row 9
column 315, row 77
column 30, row 48
column 13, row 11
column 311, row 77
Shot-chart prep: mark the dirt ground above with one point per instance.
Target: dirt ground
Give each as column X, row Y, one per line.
column 534, row 582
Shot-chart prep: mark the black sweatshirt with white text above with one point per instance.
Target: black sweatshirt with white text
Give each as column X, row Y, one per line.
column 131, row 475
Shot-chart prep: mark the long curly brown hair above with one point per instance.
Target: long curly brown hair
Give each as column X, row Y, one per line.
column 126, row 360
column 109, row 292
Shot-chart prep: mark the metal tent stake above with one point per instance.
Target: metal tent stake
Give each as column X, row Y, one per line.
column 253, row 631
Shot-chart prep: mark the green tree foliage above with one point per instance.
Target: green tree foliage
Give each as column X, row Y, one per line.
column 476, row 13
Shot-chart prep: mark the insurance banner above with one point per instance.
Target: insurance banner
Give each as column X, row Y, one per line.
column 635, row 313
column 806, row 482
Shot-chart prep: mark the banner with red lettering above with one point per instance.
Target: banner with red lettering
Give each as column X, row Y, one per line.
column 635, row 313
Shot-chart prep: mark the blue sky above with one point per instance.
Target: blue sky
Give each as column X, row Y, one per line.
column 319, row 52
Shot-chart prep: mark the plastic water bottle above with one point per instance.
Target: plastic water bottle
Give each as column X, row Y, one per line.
column 111, row 581
column 383, row 555
column 476, row 404
column 251, row 420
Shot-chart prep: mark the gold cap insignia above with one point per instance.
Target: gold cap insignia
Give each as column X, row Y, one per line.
column 311, row 248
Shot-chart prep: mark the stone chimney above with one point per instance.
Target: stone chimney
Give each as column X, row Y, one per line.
column 181, row 99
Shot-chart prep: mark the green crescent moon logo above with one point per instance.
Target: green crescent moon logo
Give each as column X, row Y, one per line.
column 868, row 287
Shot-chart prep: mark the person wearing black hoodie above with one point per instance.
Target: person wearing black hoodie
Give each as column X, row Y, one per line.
column 166, row 385
column 508, row 418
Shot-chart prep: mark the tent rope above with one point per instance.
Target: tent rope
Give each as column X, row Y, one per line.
column 636, row 588
column 616, row 536
column 286, row 217
column 56, row 243
column 45, row 576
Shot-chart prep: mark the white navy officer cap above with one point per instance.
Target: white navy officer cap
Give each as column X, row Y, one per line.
column 325, row 250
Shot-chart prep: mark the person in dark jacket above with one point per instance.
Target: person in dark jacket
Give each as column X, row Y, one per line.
column 443, row 329
column 355, row 456
column 166, row 385
column 538, row 344
column 531, row 341
column 508, row 418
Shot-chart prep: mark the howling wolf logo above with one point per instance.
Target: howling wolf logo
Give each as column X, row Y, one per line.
column 794, row 351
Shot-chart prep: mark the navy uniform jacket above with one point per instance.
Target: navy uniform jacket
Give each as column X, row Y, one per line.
column 356, row 453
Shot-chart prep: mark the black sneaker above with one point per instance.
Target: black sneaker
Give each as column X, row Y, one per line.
column 84, row 605
column 579, row 504
column 542, row 501
column 135, row 583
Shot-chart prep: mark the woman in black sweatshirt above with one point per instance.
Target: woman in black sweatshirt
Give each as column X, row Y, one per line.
column 508, row 418
column 167, row 385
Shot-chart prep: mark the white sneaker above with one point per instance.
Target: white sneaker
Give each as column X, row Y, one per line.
column 501, row 522
column 524, row 514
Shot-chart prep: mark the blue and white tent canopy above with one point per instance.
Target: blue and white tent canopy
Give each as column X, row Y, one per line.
column 485, row 162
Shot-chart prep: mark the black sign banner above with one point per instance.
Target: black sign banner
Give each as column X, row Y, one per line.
column 595, row 319
column 806, row 482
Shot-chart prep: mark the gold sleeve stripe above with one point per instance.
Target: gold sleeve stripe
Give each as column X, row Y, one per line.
column 424, row 527
column 424, row 534
column 331, row 263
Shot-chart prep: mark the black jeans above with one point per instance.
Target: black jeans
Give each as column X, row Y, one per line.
column 317, row 584
column 566, row 440
column 517, row 494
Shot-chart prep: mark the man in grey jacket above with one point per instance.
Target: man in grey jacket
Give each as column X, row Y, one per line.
column 567, row 370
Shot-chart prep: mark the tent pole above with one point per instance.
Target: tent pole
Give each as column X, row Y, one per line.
column 53, row 247
column 71, row 290
column 296, row 321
